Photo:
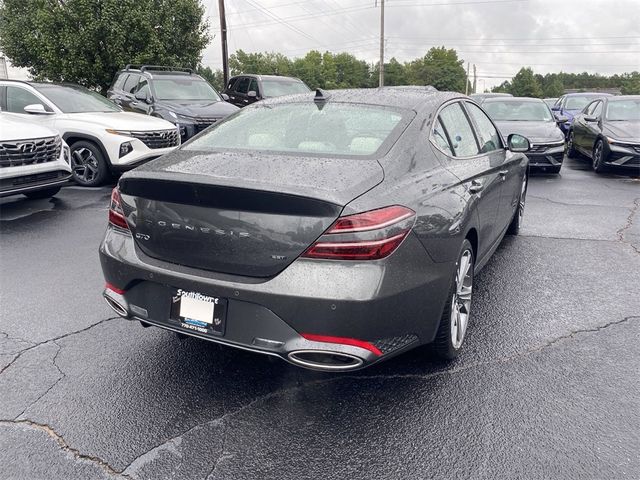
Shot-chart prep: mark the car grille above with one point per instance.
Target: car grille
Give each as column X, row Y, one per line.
column 158, row 138
column 29, row 152
column 538, row 148
column 201, row 123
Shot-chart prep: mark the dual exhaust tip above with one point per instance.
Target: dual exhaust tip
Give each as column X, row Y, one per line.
column 116, row 306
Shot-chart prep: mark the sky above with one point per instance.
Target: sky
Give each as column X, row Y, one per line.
column 498, row 36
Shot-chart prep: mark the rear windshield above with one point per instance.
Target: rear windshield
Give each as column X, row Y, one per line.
column 514, row 111
column 279, row 87
column 623, row 110
column 184, row 89
column 76, row 99
column 336, row 129
column 579, row 102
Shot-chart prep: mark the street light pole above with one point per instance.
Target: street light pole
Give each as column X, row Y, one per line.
column 223, row 38
column 381, row 80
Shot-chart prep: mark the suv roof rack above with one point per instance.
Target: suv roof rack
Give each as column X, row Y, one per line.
column 162, row 68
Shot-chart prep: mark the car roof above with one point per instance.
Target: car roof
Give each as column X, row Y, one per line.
column 623, row 97
column 513, row 99
column 408, row 97
column 260, row 76
column 588, row 94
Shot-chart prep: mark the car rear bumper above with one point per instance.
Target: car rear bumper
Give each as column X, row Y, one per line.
column 363, row 311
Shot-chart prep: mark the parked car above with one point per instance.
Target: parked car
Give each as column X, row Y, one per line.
column 34, row 160
column 174, row 94
column 608, row 132
column 246, row 89
column 333, row 231
column 103, row 139
column 550, row 101
column 481, row 97
column 569, row 105
column 532, row 118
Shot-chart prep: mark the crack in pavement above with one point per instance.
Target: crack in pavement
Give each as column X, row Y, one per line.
column 65, row 446
column 60, row 337
column 627, row 226
column 568, row 204
column 223, row 418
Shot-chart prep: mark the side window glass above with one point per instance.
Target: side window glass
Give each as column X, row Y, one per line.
column 597, row 110
column 456, row 124
column 230, row 84
column 253, row 86
column 439, row 137
column 120, row 81
column 242, row 85
column 489, row 137
column 130, row 84
column 143, row 86
column 18, row 98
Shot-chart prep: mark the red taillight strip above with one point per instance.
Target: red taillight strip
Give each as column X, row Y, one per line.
column 367, row 221
column 116, row 214
column 343, row 341
column 364, row 250
column 114, row 289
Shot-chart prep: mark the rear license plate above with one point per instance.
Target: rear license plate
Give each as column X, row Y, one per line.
column 198, row 312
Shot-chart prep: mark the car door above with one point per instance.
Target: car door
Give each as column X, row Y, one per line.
column 592, row 126
column 18, row 97
column 241, row 89
column 477, row 171
column 142, row 88
column 580, row 125
column 229, row 90
column 510, row 168
column 127, row 97
column 115, row 93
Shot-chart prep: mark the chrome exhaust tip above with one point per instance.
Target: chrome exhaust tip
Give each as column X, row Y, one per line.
column 325, row 360
column 116, row 307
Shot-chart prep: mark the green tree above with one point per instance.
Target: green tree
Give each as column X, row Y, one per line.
column 87, row 41
column 504, row 87
column 630, row 83
column 440, row 67
column 553, row 87
column 524, row 84
column 214, row 77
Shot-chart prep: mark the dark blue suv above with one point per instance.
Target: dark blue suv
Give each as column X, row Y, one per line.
column 571, row 104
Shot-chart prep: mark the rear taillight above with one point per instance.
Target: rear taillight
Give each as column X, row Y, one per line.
column 369, row 235
column 116, row 214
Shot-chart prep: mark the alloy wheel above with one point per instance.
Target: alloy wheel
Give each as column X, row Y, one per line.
column 597, row 156
column 84, row 165
column 521, row 202
column 570, row 142
column 461, row 300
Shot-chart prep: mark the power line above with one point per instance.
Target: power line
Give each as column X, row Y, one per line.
column 281, row 21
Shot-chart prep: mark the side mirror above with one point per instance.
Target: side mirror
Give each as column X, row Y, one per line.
column 37, row 109
column 252, row 94
column 588, row 118
column 555, row 108
column 225, row 97
column 562, row 119
column 143, row 97
column 518, row 143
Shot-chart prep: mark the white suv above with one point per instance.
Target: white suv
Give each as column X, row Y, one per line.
column 103, row 139
column 34, row 160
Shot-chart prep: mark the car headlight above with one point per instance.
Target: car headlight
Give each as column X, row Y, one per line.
column 173, row 114
column 620, row 143
column 124, row 133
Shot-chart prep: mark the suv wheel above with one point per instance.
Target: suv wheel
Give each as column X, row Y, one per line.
column 88, row 164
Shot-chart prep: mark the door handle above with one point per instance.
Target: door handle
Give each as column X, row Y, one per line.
column 503, row 174
column 476, row 186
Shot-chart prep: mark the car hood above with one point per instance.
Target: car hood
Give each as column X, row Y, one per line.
column 199, row 108
column 623, row 130
column 16, row 127
column 536, row 132
column 120, row 120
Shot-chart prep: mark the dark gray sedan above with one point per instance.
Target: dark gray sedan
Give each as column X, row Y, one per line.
column 332, row 230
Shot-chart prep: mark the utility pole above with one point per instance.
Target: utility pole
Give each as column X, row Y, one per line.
column 466, row 81
column 475, row 78
column 223, row 38
column 381, row 80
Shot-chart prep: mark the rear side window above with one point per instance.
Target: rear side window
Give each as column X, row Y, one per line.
column 439, row 137
column 119, row 83
column 253, row 86
column 597, row 110
column 459, row 131
column 130, row 84
column 231, row 84
column 242, row 85
column 489, row 137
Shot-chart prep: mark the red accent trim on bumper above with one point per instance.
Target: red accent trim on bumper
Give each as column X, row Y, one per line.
column 343, row 341
column 114, row 289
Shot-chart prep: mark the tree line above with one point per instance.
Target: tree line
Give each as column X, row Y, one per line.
column 88, row 41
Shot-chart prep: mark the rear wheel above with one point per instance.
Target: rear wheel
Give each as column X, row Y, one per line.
column 598, row 157
column 44, row 193
column 457, row 310
column 571, row 149
column 518, row 216
column 89, row 167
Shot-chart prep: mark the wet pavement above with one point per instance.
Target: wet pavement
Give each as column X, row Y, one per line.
column 547, row 386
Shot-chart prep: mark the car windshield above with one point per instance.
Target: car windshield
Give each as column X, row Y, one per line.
column 76, row 99
column 184, row 89
column 579, row 102
column 278, row 87
column 514, row 111
column 624, row 110
column 332, row 129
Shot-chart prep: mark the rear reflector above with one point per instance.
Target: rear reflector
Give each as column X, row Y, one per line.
column 371, row 235
column 116, row 214
column 343, row 341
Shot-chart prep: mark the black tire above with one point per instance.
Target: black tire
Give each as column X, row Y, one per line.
column 597, row 157
column 44, row 193
column 445, row 346
column 89, row 166
column 518, row 215
column 571, row 150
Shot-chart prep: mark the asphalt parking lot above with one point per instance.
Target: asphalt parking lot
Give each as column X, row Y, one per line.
column 547, row 386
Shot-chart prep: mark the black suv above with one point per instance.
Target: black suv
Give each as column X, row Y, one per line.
column 175, row 94
column 244, row 89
